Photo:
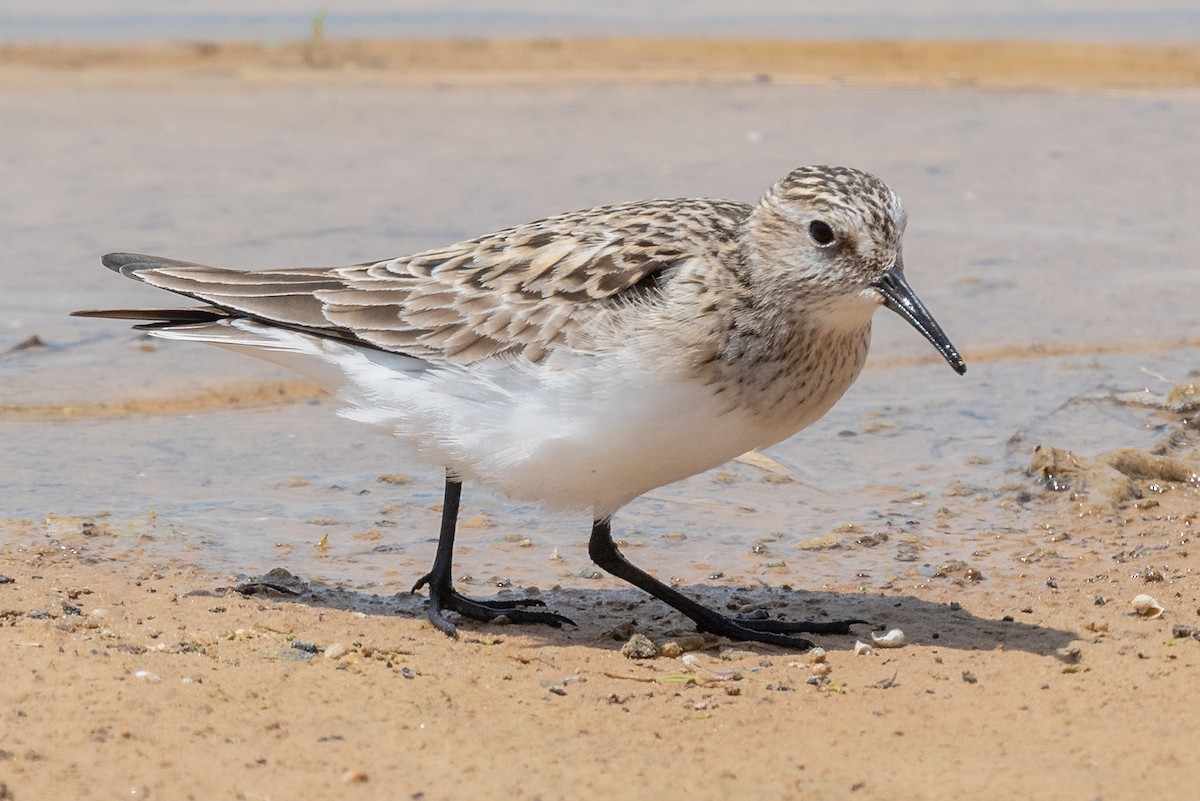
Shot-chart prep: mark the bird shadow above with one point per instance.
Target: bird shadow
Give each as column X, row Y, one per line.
column 606, row 618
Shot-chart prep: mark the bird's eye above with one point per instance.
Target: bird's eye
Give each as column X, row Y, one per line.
column 821, row 232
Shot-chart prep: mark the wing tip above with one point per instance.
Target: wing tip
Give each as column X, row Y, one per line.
column 125, row 263
column 130, row 264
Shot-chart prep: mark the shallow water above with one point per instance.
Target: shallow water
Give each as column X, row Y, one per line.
column 140, row 20
column 1052, row 235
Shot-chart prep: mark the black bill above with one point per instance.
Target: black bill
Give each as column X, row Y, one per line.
column 900, row 298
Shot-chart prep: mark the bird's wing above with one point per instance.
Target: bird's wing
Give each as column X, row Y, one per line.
column 523, row 290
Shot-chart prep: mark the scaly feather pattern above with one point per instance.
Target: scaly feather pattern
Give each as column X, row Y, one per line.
column 525, row 291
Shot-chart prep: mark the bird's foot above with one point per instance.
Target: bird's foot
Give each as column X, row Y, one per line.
column 444, row 599
column 757, row 627
column 759, row 621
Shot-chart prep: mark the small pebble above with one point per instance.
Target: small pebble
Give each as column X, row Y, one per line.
column 335, row 650
column 1180, row 631
column 734, row 654
column 672, row 649
column 354, row 776
column 639, row 647
column 1070, row 656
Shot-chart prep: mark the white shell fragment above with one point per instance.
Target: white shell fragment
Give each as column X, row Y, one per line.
column 862, row 649
column 893, row 639
column 145, row 675
column 1147, row 606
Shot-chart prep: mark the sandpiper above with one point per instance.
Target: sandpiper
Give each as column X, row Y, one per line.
column 586, row 358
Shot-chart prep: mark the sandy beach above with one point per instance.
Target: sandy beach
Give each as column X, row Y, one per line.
column 204, row 573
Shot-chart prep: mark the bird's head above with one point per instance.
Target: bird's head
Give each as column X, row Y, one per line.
column 830, row 239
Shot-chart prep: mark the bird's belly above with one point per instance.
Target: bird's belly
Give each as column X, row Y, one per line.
column 602, row 455
column 594, row 435
column 587, row 432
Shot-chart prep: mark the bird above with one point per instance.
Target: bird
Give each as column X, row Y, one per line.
column 583, row 359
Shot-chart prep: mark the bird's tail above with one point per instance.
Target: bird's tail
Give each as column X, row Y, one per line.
column 153, row 319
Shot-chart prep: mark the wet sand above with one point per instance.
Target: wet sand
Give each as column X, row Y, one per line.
column 983, row 63
column 147, row 480
column 130, row 672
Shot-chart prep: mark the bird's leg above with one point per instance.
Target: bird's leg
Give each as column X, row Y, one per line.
column 442, row 595
column 604, row 552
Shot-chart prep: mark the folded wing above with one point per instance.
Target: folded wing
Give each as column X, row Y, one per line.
column 520, row 291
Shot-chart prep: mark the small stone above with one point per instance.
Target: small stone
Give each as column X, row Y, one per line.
column 335, row 650
column 639, row 647
column 734, row 654
column 354, row 776
column 672, row 649
column 1070, row 656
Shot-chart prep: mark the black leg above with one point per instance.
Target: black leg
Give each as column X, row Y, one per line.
column 604, row 552
column 442, row 595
